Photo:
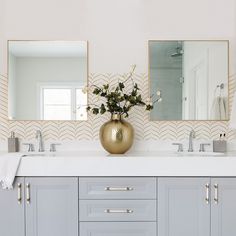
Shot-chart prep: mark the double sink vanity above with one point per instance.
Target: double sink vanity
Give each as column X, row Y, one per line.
column 139, row 194
column 148, row 193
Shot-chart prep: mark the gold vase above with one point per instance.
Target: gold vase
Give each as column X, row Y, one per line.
column 116, row 135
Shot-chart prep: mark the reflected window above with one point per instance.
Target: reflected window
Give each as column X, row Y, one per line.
column 58, row 103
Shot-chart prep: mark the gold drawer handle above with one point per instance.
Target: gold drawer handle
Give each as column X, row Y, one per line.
column 128, row 211
column 119, row 189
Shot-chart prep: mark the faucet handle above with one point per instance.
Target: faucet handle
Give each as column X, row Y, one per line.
column 202, row 146
column 180, row 146
column 53, row 146
column 30, row 146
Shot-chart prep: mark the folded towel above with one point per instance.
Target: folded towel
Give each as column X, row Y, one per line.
column 9, row 164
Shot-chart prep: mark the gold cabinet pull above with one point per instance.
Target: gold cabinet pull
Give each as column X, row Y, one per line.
column 119, row 189
column 216, row 188
column 28, row 193
column 127, row 211
column 207, row 199
column 19, row 197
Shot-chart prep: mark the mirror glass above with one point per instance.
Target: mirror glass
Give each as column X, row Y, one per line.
column 190, row 78
column 46, row 80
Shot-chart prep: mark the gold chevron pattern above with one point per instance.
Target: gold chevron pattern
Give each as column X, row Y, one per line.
column 89, row 130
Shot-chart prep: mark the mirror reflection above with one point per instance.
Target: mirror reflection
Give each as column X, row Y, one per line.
column 46, row 80
column 192, row 79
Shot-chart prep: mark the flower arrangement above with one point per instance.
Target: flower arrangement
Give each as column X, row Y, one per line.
column 117, row 100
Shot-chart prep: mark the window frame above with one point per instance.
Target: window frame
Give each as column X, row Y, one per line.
column 57, row 85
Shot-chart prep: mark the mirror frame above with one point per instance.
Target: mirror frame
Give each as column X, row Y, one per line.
column 200, row 40
column 35, row 40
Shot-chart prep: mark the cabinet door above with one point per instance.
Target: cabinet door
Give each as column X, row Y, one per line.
column 223, row 208
column 51, row 206
column 12, row 210
column 183, row 207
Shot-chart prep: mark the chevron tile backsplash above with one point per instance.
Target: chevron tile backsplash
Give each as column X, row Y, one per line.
column 88, row 130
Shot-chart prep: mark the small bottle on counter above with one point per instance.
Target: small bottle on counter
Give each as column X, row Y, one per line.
column 13, row 143
column 221, row 144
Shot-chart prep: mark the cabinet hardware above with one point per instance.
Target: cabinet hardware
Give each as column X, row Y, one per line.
column 207, row 199
column 202, row 147
column 119, row 189
column 216, row 200
column 28, row 193
column 30, row 146
column 19, row 198
column 180, row 146
column 118, row 211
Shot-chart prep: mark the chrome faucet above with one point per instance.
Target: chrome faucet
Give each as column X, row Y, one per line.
column 192, row 135
column 39, row 137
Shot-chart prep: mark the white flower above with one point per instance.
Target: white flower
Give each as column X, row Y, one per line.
column 85, row 89
column 158, row 93
column 133, row 67
column 148, row 100
column 97, row 98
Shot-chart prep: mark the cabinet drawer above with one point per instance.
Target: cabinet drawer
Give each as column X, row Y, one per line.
column 118, row 229
column 117, row 210
column 117, row 188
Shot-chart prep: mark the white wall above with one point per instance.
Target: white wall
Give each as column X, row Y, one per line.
column 118, row 31
column 29, row 72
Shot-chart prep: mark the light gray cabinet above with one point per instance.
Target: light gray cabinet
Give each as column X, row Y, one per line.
column 41, row 206
column 184, row 207
column 51, row 206
column 223, row 206
column 12, row 210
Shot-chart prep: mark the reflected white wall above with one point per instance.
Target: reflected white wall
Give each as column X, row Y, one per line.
column 32, row 71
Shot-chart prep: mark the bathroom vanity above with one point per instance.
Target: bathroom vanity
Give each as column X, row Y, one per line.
column 141, row 195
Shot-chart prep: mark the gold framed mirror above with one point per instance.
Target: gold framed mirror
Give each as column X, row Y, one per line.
column 46, row 80
column 191, row 77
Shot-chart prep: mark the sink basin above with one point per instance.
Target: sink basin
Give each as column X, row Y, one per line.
column 156, row 154
column 200, row 154
column 34, row 155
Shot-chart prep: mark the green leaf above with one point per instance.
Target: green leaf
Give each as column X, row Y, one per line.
column 102, row 109
column 106, row 86
column 134, row 92
column 97, row 91
column 95, row 111
column 121, row 86
column 149, row 107
column 139, row 98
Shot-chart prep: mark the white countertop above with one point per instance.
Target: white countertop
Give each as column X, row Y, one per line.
column 133, row 164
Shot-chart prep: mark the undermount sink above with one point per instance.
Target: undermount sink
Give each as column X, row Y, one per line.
column 132, row 154
column 199, row 153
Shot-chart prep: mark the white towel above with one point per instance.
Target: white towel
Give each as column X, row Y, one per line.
column 219, row 109
column 9, row 164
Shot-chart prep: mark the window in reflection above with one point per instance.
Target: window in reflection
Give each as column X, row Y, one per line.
column 57, row 103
